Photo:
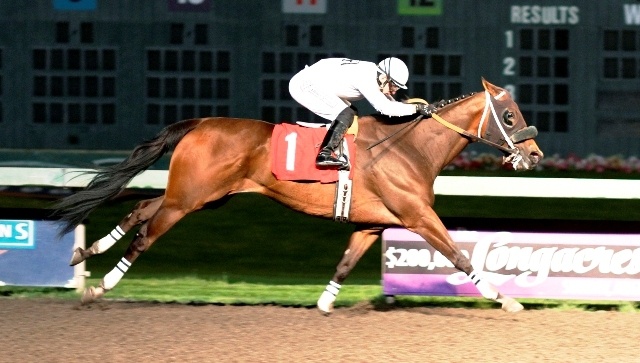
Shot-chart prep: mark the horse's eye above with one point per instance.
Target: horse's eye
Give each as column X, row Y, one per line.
column 508, row 118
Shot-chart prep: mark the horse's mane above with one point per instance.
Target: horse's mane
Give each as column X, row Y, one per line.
column 439, row 106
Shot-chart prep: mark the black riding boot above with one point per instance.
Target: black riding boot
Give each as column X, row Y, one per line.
column 326, row 156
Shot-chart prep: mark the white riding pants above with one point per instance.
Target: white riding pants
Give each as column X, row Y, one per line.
column 312, row 95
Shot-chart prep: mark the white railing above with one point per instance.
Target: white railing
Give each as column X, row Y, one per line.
column 444, row 185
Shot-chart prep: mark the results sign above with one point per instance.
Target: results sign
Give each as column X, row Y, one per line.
column 532, row 265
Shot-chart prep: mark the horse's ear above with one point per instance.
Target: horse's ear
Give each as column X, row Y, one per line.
column 493, row 89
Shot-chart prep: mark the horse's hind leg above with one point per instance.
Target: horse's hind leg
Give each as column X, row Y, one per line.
column 164, row 218
column 359, row 243
column 140, row 214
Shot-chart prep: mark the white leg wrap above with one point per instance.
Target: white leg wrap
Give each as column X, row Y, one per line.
column 325, row 303
column 484, row 287
column 111, row 279
column 109, row 240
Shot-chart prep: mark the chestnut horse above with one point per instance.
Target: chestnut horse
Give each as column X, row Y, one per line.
column 397, row 163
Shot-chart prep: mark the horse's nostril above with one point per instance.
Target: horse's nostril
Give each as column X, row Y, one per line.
column 535, row 157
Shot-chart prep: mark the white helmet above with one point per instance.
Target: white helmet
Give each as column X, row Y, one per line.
column 396, row 71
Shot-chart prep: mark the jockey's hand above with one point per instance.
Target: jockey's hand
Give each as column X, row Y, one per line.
column 425, row 110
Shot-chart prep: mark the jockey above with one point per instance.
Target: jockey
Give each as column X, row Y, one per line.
column 328, row 86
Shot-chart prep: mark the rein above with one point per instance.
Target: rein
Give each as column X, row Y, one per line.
column 410, row 123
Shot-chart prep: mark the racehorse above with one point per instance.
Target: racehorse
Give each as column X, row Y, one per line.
column 397, row 163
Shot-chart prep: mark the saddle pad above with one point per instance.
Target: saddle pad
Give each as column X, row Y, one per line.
column 293, row 154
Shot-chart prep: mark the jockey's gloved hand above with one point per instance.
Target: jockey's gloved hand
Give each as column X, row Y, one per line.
column 425, row 110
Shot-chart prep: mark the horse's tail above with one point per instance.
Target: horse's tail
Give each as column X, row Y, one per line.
column 110, row 181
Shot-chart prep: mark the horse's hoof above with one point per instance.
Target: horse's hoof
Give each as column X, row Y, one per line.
column 325, row 311
column 77, row 257
column 510, row 305
column 91, row 294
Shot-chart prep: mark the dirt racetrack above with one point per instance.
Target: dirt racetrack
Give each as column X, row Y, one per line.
column 61, row 331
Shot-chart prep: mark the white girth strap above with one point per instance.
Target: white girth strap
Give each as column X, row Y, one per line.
column 342, row 204
column 489, row 105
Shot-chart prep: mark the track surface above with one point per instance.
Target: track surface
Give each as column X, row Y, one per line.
column 62, row 331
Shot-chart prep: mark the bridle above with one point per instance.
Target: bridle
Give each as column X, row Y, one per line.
column 511, row 152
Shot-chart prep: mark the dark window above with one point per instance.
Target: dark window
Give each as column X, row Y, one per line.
column 187, row 112
column 543, row 122
column 91, row 86
column 108, row 87
column 222, row 89
column 544, row 39
column 176, row 33
column 170, row 114
column 407, row 37
column 286, row 114
column 56, row 113
column 171, row 60
column 268, row 89
column 39, row 113
column 205, row 111
column 628, row 40
column 419, row 64
column 455, row 65
column 561, row 123
column 269, row 114
column 610, row 68
column 268, row 62
column 303, row 60
column 629, row 68
column 201, row 34
column 526, row 39
column 108, row 59
column 525, row 94
column 62, row 32
column 432, row 38
column 419, row 89
column 39, row 59
column 74, row 59
column 455, row 89
column 74, row 86
column 528, row 117
column 544, row 67
column 291, row 35
column 57, row 59
column 40, row 86
column 561, row 67
column 108, row 113
column 437, row 91
column 284, row 90
column 303, row 114
column 206, row 61
column 91, row 60
column 315, row 37
column 154, row 62
column 57, row 86
column 542, row 94
column 437, row 65
column 153, row 87
column 562, row 39
column 610, row 40
column 153, row 114
column 286, row 62
column 188, row 61
column 171, row 87
column 224, row 62
column 526, row 66
column 206, row 88
column 188, row 88
column 74, row 113
column 86, row 33
column 561, row 94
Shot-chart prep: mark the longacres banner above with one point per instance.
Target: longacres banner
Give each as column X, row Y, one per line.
column 529, row 265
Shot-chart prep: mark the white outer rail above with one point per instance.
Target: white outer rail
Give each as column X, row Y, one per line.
column 444, row 185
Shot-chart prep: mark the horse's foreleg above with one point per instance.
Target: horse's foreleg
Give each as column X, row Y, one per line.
column 359, row 243
column 150, row 231
column 433, row 231
column 140, row 214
